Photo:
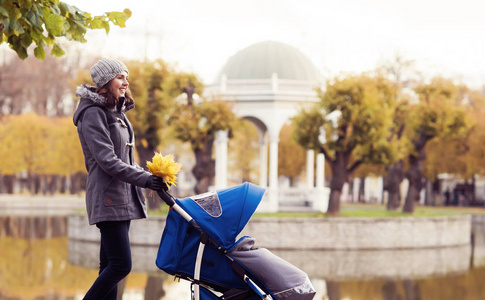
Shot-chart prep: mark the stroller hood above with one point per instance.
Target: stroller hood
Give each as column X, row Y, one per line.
column 223, row 214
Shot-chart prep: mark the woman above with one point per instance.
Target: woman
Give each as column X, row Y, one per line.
column 113, row 194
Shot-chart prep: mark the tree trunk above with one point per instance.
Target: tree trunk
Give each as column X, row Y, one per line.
column 63, row 184
column 334, row 202
column 145, row 154
column 411, row 197
column 36, row 183
column 73, row 187
column 333, row 290
column 415, row 172
column 392, row 182
column 411, row 289
column 121, row 289
column 9, row 181
column 361, row 190
column 52, row 184
column 390, row 291
column 154, row 288
column 77, row 183
column 415, row 177
column 340, row 175
column 43, row 184
column 204, row 169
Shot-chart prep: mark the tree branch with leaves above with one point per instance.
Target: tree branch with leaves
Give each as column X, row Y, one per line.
column 42, row 22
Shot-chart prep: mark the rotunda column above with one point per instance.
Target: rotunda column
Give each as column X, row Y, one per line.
column 273, row 162
column 310, row 163
column 320, row 170
column 221, row 159
column 272, row 195
column 263, row 160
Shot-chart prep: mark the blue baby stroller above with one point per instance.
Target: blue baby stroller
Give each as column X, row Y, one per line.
column 199, row 244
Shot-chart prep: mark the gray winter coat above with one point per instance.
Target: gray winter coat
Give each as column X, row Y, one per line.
column 114, row 179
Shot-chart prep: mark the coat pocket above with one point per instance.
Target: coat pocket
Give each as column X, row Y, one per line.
column 115, row 193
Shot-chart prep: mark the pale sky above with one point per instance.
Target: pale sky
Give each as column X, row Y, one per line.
column 444, row 37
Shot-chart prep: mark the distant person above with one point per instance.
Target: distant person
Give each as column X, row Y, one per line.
column 113, row 194
column 447, row 197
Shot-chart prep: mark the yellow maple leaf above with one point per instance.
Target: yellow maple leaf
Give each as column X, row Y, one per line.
column 164, row 167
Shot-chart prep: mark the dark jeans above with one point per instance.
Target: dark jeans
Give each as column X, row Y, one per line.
column 114, row 260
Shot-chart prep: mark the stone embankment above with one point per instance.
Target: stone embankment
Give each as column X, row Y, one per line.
column 319, row 234
column 338, row 248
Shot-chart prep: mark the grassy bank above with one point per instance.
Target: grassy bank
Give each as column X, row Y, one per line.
column 354, row 210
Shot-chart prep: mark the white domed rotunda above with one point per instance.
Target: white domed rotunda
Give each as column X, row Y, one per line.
column 268, row 83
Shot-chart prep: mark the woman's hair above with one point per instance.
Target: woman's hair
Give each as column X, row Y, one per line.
column 111, row 100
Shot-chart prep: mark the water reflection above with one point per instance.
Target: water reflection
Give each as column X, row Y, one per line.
column 39, row 269
column 46, row 268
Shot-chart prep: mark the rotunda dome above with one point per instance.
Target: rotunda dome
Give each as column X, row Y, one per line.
column 261, row 60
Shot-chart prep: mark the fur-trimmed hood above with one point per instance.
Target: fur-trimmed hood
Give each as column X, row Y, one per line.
column 89, row 98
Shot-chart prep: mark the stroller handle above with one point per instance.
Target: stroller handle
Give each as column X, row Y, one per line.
column 170, row 200
column 166, row 197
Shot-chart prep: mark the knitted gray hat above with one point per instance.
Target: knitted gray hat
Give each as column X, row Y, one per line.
column 105, row 70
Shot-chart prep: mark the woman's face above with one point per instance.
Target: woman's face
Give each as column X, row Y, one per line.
column 119, row 84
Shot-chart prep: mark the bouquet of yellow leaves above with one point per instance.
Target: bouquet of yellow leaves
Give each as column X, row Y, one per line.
column 164, row 167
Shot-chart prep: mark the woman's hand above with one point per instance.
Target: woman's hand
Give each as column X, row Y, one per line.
column 156, row 183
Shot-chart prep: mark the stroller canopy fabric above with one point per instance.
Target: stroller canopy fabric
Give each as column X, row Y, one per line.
column 223, row 214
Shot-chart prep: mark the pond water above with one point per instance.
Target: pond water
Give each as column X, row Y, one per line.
column 35, row 264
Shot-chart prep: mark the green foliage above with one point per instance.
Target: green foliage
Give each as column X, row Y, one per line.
column 351, row 126
column 43, row 21
column 308, row 124
column 438, row 114
column 153, row 103
column 182, row 82
column 155, row 87
column 365, row 106
column 460, row 153
column 198, row 122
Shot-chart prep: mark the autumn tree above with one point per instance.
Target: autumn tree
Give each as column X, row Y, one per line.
column 198, row 124
column 65, row 157
column 350, row 126
column 437, row 113
column 473, row 149
column 402, row 75
column 24, row 143
column 45, row 148
column 42, row 22
column 461, row 155
column 154, row 102
column 197, row 121
column 395, row 172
